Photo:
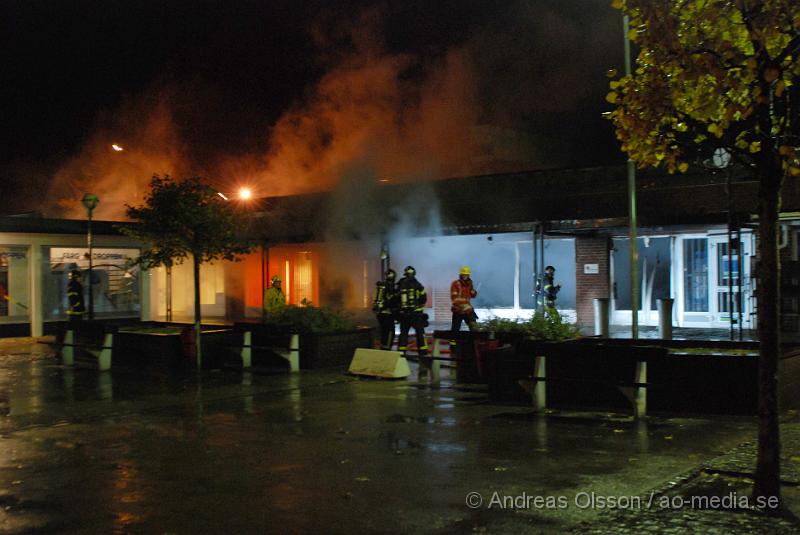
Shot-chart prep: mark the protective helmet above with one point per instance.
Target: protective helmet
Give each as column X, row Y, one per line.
column 409, row 271
column 464, row 270
column 390, row 274
column 550, row 269
column 275, row 278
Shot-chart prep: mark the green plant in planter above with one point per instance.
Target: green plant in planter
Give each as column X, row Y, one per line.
column 544, row 325
column 310, row 319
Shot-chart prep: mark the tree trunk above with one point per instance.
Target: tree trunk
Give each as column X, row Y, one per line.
column 767, row 480
column 198, row 352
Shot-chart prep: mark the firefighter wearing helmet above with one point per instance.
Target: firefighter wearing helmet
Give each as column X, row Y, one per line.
column 274, row 298
column 385, row 306
column 76, row 308
column 550, row 290
column 461, row 293
column 411, row 303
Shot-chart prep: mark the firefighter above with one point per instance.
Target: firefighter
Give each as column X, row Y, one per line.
column 461, row 292
column 76, row 308
column 411, row 302
column 385, row 307
column 550, row 290
column 274, row 298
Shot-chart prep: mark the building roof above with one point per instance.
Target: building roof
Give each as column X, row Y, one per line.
column 577, row 199
column 35, row 224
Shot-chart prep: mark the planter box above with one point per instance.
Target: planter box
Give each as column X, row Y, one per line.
column 317, row 350
column 332, row 349
column 587, row 374
column 164, row 345
column 469, row 353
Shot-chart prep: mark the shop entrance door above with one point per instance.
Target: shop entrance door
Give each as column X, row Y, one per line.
column 726, row 272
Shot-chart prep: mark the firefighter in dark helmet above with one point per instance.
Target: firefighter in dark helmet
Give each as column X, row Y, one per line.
column 550, row 289
column 76, row 308
column 385, row 307
column 411, row 303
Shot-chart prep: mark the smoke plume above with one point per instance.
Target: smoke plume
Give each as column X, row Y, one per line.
column 519, row 87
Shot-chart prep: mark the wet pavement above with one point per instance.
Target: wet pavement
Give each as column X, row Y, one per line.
column 235, row 452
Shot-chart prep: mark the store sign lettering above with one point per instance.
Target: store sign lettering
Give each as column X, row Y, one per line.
column 13, row 255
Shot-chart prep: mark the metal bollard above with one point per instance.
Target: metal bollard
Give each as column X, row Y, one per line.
column 601, row 316
column 665, row 318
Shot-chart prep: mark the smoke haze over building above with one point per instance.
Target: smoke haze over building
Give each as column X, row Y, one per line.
column 291, row 99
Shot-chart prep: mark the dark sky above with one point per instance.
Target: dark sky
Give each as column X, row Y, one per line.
column 235, row 87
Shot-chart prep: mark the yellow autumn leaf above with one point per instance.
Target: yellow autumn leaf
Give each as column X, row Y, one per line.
column 755, row 146
column 683, row 167
column 794, row 171
column 779, row 87
column 785, row 150
column 612, row 97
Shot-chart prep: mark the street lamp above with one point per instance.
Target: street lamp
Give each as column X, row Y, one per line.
column 90, row 201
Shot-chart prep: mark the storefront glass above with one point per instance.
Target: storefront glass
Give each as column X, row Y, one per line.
column 115, row 286
column 14, row 305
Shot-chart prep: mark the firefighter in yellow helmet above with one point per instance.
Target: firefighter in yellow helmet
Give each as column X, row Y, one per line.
column 461, row 292
column 412, row 298
column 274, row 298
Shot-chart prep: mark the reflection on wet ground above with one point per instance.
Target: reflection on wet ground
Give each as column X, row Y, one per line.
column 227, row 451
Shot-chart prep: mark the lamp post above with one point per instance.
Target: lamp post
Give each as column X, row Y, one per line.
column 90, row 201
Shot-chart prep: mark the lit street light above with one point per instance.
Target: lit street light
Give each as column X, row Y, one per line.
column 90, row 201
column 245, row 193
column 117, row 147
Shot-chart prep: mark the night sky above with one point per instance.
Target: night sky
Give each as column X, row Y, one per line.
column 289, row 96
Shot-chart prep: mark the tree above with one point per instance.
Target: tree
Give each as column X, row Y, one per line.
column 721, row 75
column 186, row 219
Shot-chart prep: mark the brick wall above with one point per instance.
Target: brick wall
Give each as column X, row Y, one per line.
column 590, row 250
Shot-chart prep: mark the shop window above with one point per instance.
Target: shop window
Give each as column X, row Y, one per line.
column 115, row 287
column 695, row 275
column 14, row 305
column 655, row 261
